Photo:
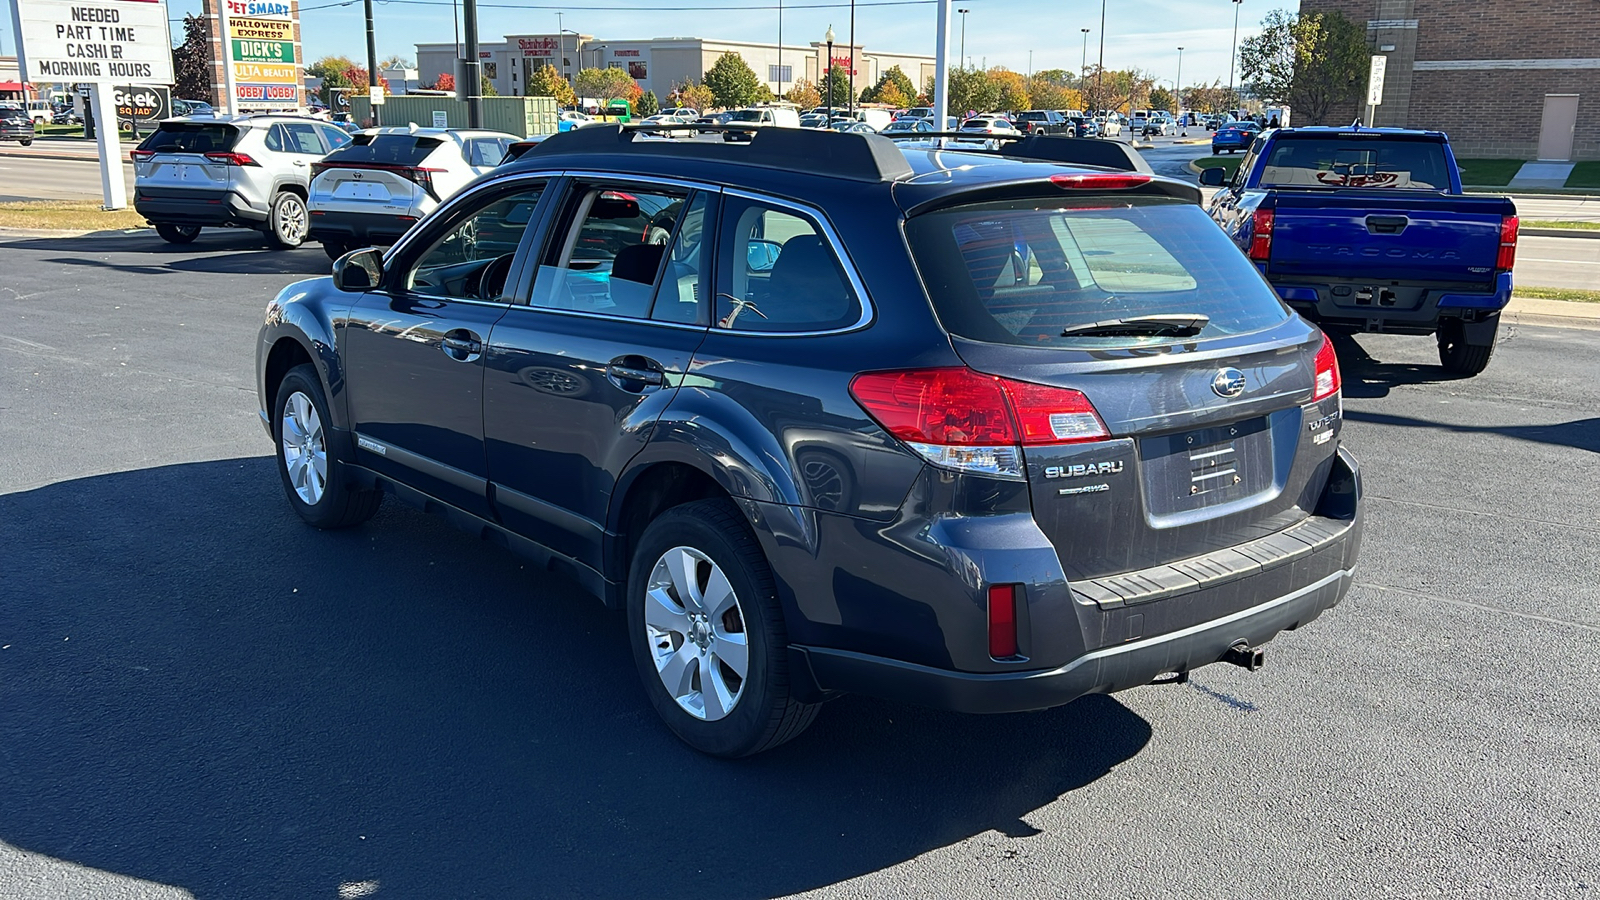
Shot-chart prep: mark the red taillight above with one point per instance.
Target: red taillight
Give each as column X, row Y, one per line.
column 317, row 168
column 1261, row 235
column 1328, row 380
column 1099, row 181
column 1508, row 244
column 966, row 420
column 1002, row 621
column 423, row 178
column 232, row 159
column 141, row 155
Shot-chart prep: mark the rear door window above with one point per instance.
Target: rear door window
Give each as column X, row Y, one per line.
column 300, row 137
column 1022, row 272
column 610, row 252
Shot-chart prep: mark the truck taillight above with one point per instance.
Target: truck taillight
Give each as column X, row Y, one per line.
column 972, row 422
column 1508, row 244
column 1261, row 235
column 1327, row 365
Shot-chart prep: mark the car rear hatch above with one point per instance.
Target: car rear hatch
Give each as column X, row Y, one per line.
column 189, row 156
column 1196, row 425
column 381, row 174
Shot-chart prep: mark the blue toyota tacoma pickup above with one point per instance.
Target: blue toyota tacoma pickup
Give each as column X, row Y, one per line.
column 1366, row 229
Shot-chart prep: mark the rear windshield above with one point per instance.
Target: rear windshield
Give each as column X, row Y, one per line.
column 1356, row 163
column 386, row 149
column 191, row 137
column 1021, row 272
column 745, row 115
column 1032, row 117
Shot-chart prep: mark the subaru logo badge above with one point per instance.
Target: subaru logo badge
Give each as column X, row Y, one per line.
column 1227, row 383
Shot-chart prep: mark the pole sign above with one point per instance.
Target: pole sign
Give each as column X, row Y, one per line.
column 1375, row 81
column 96, row 41
column 263, row 55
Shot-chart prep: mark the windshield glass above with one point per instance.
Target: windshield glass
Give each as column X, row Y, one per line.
column 746, row 115
column 1356, row 162
column 1022, row 272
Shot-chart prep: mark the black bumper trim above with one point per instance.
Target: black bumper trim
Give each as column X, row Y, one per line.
column 355, row 229
column 1099, row 671
column 196, row 207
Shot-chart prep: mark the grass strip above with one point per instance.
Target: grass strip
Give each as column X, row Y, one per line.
column 1578, row 226
column 1488, row 172
column 1585, row 175
column 1231, row 163
column 66, row 215
column 1572, row 295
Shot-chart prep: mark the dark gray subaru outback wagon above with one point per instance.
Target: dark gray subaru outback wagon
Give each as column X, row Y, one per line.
column 988, row 431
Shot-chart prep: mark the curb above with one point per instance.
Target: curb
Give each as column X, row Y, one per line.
column 1556, row 313
column 18, row 233
column 1590, row 233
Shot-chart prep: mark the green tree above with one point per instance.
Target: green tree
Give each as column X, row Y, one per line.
column 648, row 104
column 486, row 87
column 1048, row 93
column 1312, row 61
column 331, row 69
column 732, row 82
column 841, row 86
column 904, row 91
column 696, row 96
column 191, row 61
column 545, row 81
column 1013, row 89
column 974, row 90
column 1161, row 98
column 606, row 84
column 804, row 95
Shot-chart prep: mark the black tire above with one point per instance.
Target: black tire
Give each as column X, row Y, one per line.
column 27, row 142
column 1459, row 357
column 338, row 506
column 287, row 221
column 764, row 714
column 178, row 234
column 334, row 249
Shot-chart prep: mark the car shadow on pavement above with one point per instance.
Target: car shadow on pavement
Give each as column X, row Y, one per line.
column 1367, row 377
column 201, row 691
column 1581, row 434
column 221, row 251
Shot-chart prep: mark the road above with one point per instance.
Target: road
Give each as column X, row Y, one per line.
column 204, row 698
column 25, row 178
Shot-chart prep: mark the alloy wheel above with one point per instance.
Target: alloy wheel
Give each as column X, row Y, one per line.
column 291, row 220
column 305, row 450
column 696, row 633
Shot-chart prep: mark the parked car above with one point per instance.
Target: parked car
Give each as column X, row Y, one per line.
column 671, row 125
column 181, row 107
column 755, row 117
column 570, row 119
column 373, row 189
column 1162, row 126
column 1043, row 121
column 682, row 112
column 66, row 115
column 1083, row 127
column 1368, row 230
column 987, row 125
column 234, row 172
column 1233, row 137
column 15, row 125
column 706, row 124
column 904, row 125
column 851, row 126
column 919, row 112
column 814, row 120
column 1109, row 126
column 1069, row 443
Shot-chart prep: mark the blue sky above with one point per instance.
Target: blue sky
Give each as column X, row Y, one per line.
column 1139, row 33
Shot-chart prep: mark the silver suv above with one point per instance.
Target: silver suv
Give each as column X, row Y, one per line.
column 238, row 172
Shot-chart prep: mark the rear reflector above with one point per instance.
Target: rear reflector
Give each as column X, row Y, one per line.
column 1508, row 244
column 1099, row 181
column 1328, row 380
column 1002, row 621
column 1261, row 235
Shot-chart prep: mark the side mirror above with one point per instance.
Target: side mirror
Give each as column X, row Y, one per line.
column 358, row 270
column 761, row 256
column 1215, row 176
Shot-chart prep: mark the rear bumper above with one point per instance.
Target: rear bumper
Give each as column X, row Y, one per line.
column 357, row 229
column 1098, row 672
column 165, row 206
column 1417, row 310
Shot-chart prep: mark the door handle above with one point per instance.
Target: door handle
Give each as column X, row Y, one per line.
column 635, row 373
column 461, row 345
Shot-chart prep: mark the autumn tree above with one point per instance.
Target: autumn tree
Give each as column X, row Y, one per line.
column 732, row 82
column 445, row 82
column 696, row 95
column 1312, row 61
column 396, row 61
column 191, row 61
column 894, row 88
column 331, row 69
column 1048, row 94
column 973, row 90
column 1210, row 98
column 1012, row 87
column 804, row 94
column 545, row 81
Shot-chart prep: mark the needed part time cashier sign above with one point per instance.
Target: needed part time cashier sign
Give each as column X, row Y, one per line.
column 118, row 41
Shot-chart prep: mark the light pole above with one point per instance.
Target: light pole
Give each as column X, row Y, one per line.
column 561, row 47
column 1100, row 71
column 780, row 49
column 828, row 72
column 1177, row 89
column 1083, row 64
column 851, row 102
column 963, row 36
column 1235, row 56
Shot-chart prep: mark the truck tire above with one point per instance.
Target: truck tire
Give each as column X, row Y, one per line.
column 178, row 234
column 1459, row 357
column 707, row 633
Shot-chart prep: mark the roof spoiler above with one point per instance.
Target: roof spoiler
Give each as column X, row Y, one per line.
column 857, row 157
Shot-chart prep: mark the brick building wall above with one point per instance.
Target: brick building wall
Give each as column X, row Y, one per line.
column 1480, row 71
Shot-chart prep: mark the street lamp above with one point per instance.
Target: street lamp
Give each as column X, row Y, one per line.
column 1100, row 72
column 1178, row 92
column 828, row 72
column 963, row 56
column 1083, row 64
column 1235, row 56
column 780, row 49
column 851, row 101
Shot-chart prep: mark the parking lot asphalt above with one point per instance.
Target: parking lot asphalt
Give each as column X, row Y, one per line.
column 200, row 696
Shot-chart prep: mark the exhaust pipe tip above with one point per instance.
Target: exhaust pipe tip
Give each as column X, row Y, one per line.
column 1245, row 656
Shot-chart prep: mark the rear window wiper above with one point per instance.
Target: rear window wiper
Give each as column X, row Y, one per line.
column 1173, row 325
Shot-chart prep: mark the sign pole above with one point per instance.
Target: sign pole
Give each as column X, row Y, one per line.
column 941, row 68
column 22, row 54
column 228, row 79
column 113, row 186
column 1375, row 86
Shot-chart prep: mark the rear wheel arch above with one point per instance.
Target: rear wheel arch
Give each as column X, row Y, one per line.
column 643, row 495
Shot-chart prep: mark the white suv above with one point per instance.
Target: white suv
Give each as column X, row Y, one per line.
column 375, row 189
column 238, row 172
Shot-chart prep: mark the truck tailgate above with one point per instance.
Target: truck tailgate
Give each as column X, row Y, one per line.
column 1414, row 238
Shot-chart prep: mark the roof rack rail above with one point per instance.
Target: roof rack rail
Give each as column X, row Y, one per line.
column 1045, row 147
column 855, row 157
